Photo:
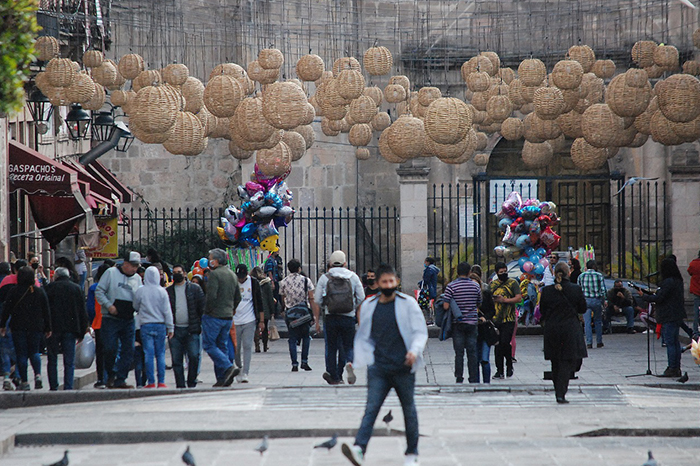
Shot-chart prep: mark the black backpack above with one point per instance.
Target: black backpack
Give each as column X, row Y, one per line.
column 339, row 298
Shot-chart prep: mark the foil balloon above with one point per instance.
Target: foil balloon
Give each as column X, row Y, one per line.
column 285, row 211
column 503, row 223
column 243, row 194
column 268, row 236
column 232, row 214
column 274, row 200
column 249, row 231
column 252, row 187
column 265, row 213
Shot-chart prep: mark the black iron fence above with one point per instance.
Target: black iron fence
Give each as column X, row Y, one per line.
column 369, row 236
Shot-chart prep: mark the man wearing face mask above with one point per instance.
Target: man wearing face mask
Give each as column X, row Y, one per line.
column 390, row 341
column 372, row 287
column 506, row 293
column 187, row 303
column 38, row 269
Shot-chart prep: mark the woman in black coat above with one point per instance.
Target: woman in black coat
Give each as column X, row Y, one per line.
column 564, row 344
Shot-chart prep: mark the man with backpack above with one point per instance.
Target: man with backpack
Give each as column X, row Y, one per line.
column 339, row 293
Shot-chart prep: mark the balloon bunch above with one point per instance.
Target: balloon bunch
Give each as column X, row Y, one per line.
column 198, row 268
column 527, row 229
column 266, row 207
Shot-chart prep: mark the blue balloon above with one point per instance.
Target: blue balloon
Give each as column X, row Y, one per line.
column 529, row 251
column 522, row 260
column 541, row 252
column 538, row 270
column 204, row 262
column 522, row 242
column 249, row 231
column 535, row 258
column 503, row 223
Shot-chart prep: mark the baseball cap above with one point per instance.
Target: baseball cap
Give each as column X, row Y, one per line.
column 134, row 258
column 241, row 270
column 337, row 259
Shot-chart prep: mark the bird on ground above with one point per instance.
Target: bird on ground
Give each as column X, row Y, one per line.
column 634, row 180
column 683, row 378
column 387, row 420
column 328, row 444
column 262, row 448
column 187, row 457
column 63, row 461
column 651, row 461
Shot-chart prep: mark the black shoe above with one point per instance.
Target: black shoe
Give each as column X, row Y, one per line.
column 99, row 384
column 562, row 401
column 498, row 375
column 631, row 331
column 509, row 372
column 38, row 384
column 672, row 372
column 230, row 373
column 305, row 366
column 123, row 386
column 295, row 368
column 460, row 380
column 599, row 345
column 329, row 379
column 514, row 360
column 589, row 346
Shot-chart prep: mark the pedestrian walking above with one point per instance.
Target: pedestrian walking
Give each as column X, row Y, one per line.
column 27, row 309
column 467, row 294
column 33, row 261
column 248, row 319
column 548, row 276
column 428, row 289
column 268, row 304
column 506, row 294
column 390, row 343
column 7, row 348
column 670, row 312
column 694, row 272
column 297, row 292
column 223, row 295
column 69, row 324
column 94, row 312
column 80, row 267
column 155, row 317
column 485, row 335
column 187, row 303
column 370, row 283
column 593, row 286
column 339, row 292
column 115, row 293
column 564, row 346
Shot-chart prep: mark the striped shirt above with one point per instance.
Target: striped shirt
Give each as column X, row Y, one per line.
column 592, row 284
column 467, row 295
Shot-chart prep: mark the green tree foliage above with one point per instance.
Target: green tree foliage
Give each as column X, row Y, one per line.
column 18, row 29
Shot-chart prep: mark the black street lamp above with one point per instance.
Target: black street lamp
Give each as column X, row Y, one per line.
column 41, row 110
column 78, row 122
column 102, row 125
column 126, row 139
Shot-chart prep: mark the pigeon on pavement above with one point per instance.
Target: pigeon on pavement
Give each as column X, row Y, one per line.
column 387, row 420
column 651, row 461
column 63, row 461
column 329, row 444
column 262, row 448
column 187, row 457
column 683, row 378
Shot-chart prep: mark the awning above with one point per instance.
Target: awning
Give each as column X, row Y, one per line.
column 57, row 215
column 100, row 195
column 97, row 168
column 35, row 173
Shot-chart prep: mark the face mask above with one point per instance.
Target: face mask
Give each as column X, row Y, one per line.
column 178, row 277
column 388, row 291
column 503, row 276
column 370, row 281
column 35, row 265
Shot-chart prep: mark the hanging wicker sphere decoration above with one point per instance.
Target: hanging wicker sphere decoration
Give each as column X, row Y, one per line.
column 222, row 94
column 584, row 55
column 514, row 94
column 244, row 144
column 570, row 124
column 250, row 122
column 643, row 121
column 146, row 78
column 97, row 100
column 118, row 98
column 326, row 128
column 604, row 69
column 346, row 125
column 625, row 136
column 105, row 74
column 679, row 97
column 532, row 72
column 57, row 96
column 528, row 93
column 402, row 108
column 81, row 90
column 381, row 121
column 310, row 67
column 208, row 121
column 537, row 155
column 119, row 81
column 447, row 120
column 309, row 116
column 284, row 105
column 428, row 95
column 599, row 125
column 335, row 112
column 627, row 101
column 156, row 109
column 635, row 77
column 499, row 107
column 481, row 159
column 507, row 75
column 375, row 93
column 483, row 63
column 193, row 92
column 60, row 72
column 385, row 149
column 544, row 129
column 643, row 53
column 558, row 144
column 567, row 74
column 378, row 61
column 362, row 153
column 666, row 56
column 92, row 58
column 478, row 81
column 47, row 47
column 131, row 65
column 271, row 59
column 529, row 130
column 350, row 84
column 403, row 81
column 186, row 135
column 512, row 129
column 479, row 101
column 549, row 102
column 220, row 128
column 238, row 153
column 448, row 152
column 274, row 162
column 234, row 70
column 654, row 72
column 495, row 61
column 482, row 140
column 688, row 131
column 363, row 109
column 176, row 74
column 639, row 140
column 587, row 157
column 325, row 76
column 307, row 132
column 662, row 131
column 571, row 98
column 407, row 137
column 394, row 93
column 146, row 137
column 345, row 63
column 296, row 144
column 360, row 135
column 691, row 67
column 262, row 75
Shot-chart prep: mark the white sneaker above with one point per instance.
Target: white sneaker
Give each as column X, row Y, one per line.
column 244, row 378
column 411, row 460
column 352, row 378
column 353, row 453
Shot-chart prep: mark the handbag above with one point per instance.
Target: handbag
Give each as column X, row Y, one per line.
column 489, row 333
column 300, row 314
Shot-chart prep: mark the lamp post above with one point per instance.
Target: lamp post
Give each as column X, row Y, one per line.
column 102, row 126
column 78, row 122
column 125, row 142
column 41, row 110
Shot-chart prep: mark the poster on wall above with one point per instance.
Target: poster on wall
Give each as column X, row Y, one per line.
column 108, row 246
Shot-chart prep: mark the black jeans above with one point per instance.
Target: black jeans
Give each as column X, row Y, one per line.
column 562, row 369
column 464, row 337
column 99, row 356
column 503, row 349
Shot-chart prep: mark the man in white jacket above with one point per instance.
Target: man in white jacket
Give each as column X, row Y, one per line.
column 390, row 341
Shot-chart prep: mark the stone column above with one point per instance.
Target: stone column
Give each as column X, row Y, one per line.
column 413, row 194
column 4, row 193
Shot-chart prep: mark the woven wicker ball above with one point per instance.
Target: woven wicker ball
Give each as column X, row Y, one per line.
column 105, row 74
column 81, row 90
column 587, row 157
column 118, row 98
column 128, row 106
column 346, row 125
column 381, row 121
column 98, row 99
column 654, row 72
column 238, row 153
column 570, row 124
column 219, row 128
column 119, row 81
column 604, row 69
column 666, row 56
column 499, row 107
column 193, row 92
column 403, row 81
column 385, row 149
column 479, row 101
column 625, row 137
column 514, row 93
column 662, row 131
column 327, row 95
column 592, row 86
column 584, row 55
column 643, row 53
column 47, row 47
column 532, row 72
column 57, row 95
column 284, row 105
column 567, row 74
column 186, row 135
column 679, row 97
column 271, row 59
column 478, row 116
column 417, row 109
column 643, row 121
column 428, row 95
column 636, row 77
column 528, row 93
column 495, row 61
column 506, row 74
column 307, row 132
column 482, row 140
column 208, row 121
column 447, row 120
column 244, row 144
column 544, row 129
column 131, row 65
column 375, row 93
column 481, row 159
column 627, row 101
column 234, row 70
column 262, row 75
column 345, row 63
column 326, row 127
column 599, row 125
column 360, row 135
column 378, row 61
column 484, row 63
column 350, row 84
column 394, row 93
column 249, row 121
column 549, row 102
column 639, row 140
column 571, row 98
column 309, row 116
column 407, row 137
column 530, row 127
column 176, row 74
column 222, row 94
column 146, row 78
column 558, row 144
column 691, row 67
column 314, row 103
column 362, row 153
column 274, row 162
column 363, row 109
column 537, row 155
column 296, row 144
column 93, row 58
column 447, row 151
column 512, row 129
column 478, row 81
column 146, row 137
column 325, row 76
column 310, row 67
column 60, row 72
column 156, row 109
column 335, row 113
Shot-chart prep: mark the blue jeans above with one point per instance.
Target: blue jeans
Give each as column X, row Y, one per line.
column 26, row 346
column 81, row 281
column 464, row 337
column 118, row 338
column 153, row 340
column 484, row 355
column 627, row 311
column 61, row 343
column 339, row 332
column 300, row 333
column 380, row 381
column 183, row 342
column 696, row 313
column 215, row 333
column 7, row 354
column 669, row 333
column 594, row 308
